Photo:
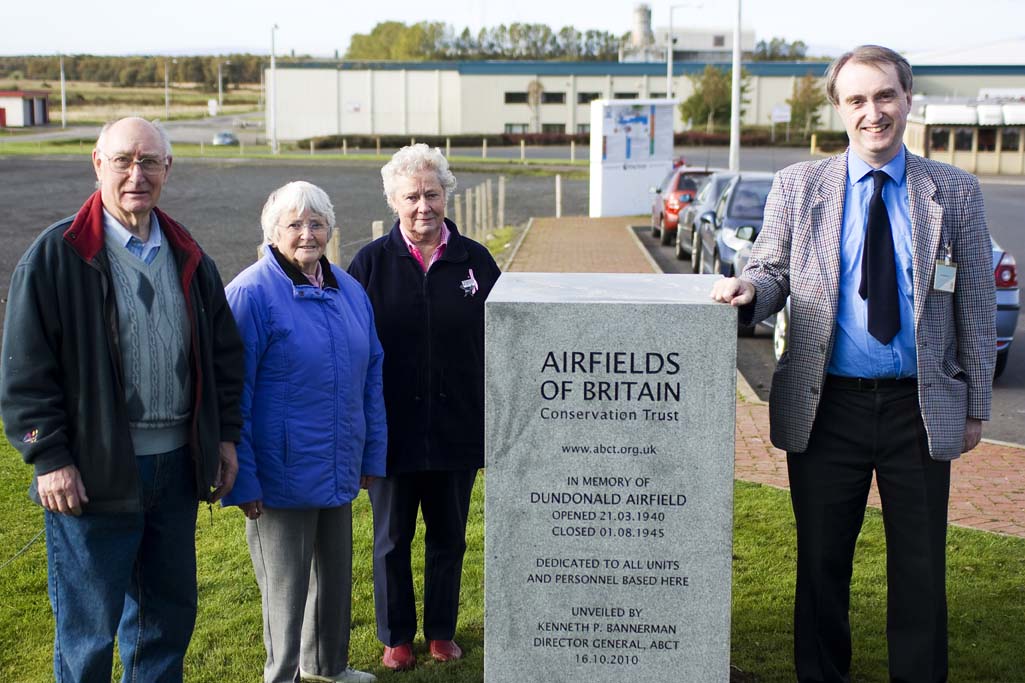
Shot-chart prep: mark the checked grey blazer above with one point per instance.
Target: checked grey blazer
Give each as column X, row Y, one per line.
column 797, row 253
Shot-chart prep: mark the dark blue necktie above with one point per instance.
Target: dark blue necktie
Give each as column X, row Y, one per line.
column 879, row 268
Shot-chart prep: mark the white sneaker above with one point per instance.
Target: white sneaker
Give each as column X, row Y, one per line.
column 350, row 675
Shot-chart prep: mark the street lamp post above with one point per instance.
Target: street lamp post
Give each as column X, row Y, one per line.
column 273, row 95
column 220, row 90
column 167, row 88
column 64, row 97
column 735, row 107
column 670, row 41
column 167, row 94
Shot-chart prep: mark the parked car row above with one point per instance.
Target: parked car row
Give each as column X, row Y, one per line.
column 716, row 215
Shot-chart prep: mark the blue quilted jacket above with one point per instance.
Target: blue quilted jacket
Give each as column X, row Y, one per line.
column 312, row 408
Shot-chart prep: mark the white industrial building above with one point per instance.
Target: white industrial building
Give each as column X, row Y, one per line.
column 455, row 98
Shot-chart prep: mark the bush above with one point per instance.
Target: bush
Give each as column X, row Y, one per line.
column 832, row 140
column 748, row 138
column 759, row 136
column 464, row 140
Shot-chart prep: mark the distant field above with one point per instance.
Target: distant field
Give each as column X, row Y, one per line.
column 90, row 102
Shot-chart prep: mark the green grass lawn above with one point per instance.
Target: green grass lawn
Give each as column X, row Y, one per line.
column 986, row 578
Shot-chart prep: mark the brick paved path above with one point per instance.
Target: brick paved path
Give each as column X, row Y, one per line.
column 987, row 486
column 580, row 245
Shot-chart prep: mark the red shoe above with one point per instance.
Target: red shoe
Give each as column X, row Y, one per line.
column 445, row 650
column 399, row 658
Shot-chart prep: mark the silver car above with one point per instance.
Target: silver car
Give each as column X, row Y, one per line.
column 225, row 137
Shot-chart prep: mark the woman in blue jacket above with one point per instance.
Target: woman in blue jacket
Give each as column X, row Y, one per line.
column 428, row 284
column 314, row 433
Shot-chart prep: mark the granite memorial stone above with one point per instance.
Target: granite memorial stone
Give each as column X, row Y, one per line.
column 609, row 482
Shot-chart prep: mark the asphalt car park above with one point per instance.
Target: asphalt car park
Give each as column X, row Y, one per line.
column 220, row 201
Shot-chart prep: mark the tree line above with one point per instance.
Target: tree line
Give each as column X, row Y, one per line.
column 137, row 70
column 429, row 40
column 779, row 50
column 433, row 40
column 389, row 40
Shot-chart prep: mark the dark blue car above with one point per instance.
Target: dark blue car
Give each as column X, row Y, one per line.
column 734, row 224
column 687, row 222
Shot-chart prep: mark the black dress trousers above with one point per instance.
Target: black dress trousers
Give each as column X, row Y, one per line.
column 444, row 498
column 859, row 431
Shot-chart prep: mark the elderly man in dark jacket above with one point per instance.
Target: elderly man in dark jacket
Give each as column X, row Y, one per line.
column 427, row 284
column 121, row 375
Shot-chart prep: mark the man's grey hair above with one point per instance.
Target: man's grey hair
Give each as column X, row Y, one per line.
column 868, row 54
column 165, row 139
column 413, row 160
column 297, row 196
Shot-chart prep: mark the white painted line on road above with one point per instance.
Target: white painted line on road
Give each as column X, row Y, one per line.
column 640, row 245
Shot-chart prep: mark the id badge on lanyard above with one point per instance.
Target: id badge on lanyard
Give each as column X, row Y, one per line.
column 945, row 276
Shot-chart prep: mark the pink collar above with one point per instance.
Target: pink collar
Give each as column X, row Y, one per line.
column 317, row 279
column 445, row 233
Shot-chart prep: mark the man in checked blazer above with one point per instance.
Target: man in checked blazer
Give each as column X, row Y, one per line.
column 847, row 402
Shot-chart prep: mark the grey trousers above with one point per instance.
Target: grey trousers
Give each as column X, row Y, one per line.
column 303, row 564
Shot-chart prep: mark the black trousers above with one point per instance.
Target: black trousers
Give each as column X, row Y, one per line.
column 444, row 498
column 858, row 432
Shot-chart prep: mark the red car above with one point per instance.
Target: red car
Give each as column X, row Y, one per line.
column 673, row 194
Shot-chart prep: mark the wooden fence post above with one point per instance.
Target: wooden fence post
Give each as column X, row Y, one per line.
column 334, row 247
column 468, row 228
column 489, row 206
column 501, row 201
column 457, row 205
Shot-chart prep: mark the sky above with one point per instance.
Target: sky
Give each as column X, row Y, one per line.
column 320, row 27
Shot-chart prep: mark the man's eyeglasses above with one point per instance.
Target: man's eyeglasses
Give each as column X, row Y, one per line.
column 314, row 226
column 122, row 163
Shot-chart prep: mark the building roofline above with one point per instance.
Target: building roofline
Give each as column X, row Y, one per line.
column 566, row 68
column 561, row 68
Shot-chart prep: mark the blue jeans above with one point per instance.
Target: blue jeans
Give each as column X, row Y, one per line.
column 130, row 574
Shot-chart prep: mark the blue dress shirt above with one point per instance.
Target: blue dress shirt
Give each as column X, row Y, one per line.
column 144, row 251
column 856, row 353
